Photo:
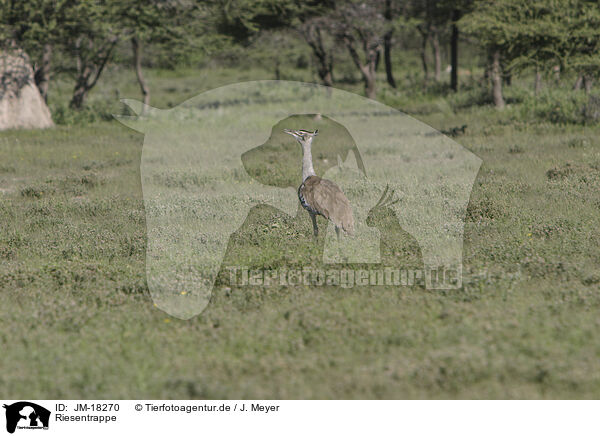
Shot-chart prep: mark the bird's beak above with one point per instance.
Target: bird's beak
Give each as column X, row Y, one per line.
column 291, row 132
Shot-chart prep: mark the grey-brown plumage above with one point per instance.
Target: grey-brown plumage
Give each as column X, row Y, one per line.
column 321, row 196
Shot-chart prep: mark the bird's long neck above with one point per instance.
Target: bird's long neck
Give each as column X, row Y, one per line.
column 307, row 164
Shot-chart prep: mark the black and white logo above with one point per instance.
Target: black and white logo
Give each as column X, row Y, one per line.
column 26, row 415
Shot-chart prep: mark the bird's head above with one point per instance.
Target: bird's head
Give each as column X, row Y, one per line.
column 304, row 137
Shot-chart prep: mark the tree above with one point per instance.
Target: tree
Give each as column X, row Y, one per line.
column 497, row 79
column 244, row 20
column 315, row 25
column 314, row 31
column 431, row 18
column 557, row 34
column 35, row 26
column 360, row 26
column 91, row 34
column 276, row 48
column 456, row 13
column 161, row 22
column 510, row 32
column 450, row 12
column 583, row 42
column 389, row 14
column 491, row 21
column 425, row 37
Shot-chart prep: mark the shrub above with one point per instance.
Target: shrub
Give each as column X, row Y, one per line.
column 560, row 106
column 475, row 96
column 100, row 110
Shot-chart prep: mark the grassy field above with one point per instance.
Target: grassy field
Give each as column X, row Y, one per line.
column 77, row 320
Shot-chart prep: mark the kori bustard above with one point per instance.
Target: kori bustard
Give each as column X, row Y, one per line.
column 321, row 196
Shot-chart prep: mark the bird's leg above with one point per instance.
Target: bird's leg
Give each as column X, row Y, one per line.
column 339, row 247
column 315, row 228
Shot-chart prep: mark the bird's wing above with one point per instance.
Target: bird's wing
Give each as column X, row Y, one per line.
column 328, row 200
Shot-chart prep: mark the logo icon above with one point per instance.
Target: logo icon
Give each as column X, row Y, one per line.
column 211, row 164
column 26, row 415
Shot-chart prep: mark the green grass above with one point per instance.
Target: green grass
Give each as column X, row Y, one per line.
column 77, row 320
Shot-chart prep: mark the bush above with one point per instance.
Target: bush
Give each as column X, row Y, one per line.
column 562, row 107
column 101, row 110
column 591, row 110
column 475, row 96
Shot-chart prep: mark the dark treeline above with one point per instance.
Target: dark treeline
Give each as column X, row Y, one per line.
column 79, row 38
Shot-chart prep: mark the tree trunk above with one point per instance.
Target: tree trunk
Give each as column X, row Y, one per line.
column 587, row 83
column 327, row 78
column 370, row 73
column 325, row 71
column 538, row 82
column 387, row 57
column 454, row 51
column 497, row 80
column 578, row 83
column 79, row 94
column 277, row 70
column 556, row 70
column 42, row 72
column 89, row 67
column 437, row 55
column 136, row 45
column 424, row 41
column 387, row 46
column 367, row 70
column 370, row 82
column 312, row 35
